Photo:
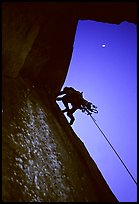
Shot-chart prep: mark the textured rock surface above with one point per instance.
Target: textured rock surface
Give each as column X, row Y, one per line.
column 42, row 158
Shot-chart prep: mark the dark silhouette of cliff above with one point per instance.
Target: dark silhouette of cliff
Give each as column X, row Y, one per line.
column 42, row 158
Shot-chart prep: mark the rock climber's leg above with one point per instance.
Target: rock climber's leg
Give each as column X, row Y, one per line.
column 65, row 101
column 70, row 114
column 59, row 98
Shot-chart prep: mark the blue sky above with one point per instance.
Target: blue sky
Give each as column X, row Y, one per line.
column 108, row 78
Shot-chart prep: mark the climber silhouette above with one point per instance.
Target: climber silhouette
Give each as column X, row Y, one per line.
column 75, row 98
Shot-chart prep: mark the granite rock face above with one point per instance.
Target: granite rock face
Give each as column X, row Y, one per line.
column 42, row 158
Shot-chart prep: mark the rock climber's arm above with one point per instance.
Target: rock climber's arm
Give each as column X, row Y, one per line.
column 60, row 93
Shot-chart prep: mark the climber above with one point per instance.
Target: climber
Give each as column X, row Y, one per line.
column 75, row 98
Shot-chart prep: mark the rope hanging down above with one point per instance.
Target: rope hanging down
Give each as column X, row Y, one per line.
column 113, row 148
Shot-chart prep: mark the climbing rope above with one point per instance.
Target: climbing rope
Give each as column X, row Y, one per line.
column 113, row 148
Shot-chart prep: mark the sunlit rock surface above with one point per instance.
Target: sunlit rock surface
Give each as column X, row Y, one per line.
column 32, row 155
column 43, row 159
column 33, row 169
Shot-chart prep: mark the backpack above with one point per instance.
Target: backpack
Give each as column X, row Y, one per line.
column 75, row 96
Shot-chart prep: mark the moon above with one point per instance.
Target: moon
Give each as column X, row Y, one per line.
column 103, row 45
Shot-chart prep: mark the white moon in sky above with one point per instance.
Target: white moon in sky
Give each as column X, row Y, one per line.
column 103, row 45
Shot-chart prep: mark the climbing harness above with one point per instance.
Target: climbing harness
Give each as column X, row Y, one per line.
column 95, row 111
column 89, row 108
